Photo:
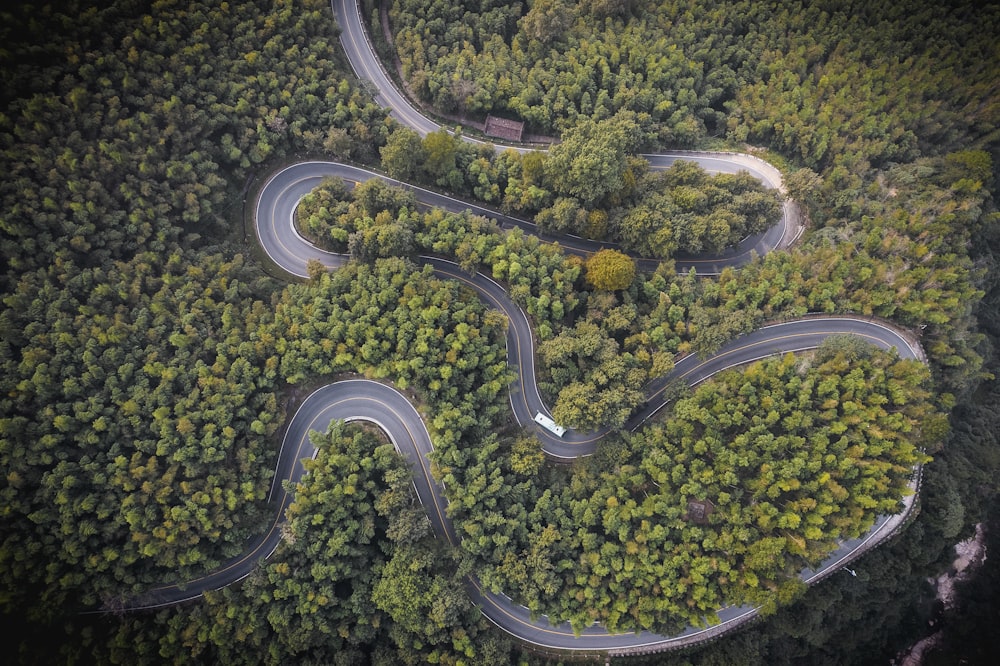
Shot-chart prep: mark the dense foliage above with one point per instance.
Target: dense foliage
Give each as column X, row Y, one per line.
column 147, row 364
column 907, row 261
column 818, row 81
column 366, row 220
column 590, row 164
column 360, row 567
column 392, row 321
column 791, row 454
column 590, row 185
column 125, row 142
column 684, row 210
column 595, row 371
column 874, row 616
column 140, row 366
column 138, row 398
column 137, row 413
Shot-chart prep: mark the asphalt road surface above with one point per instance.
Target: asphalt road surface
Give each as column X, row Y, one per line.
column 363, row 400
column 291, row 251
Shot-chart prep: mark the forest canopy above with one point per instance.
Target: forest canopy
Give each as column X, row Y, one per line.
column 792, row 455
column 819, row 82
column 150, row 359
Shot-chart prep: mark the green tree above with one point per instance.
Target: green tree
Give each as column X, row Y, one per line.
column 403, row 154
column 547, row 20
column 610, row 270
column 591, row 162
column 440, row 150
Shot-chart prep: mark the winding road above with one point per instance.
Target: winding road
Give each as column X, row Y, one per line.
column 363, row 400
column 369, row 69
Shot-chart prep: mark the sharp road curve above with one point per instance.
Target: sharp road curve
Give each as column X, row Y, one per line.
column 388, row 409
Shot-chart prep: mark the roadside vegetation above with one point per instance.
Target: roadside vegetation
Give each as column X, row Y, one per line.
column 593, row 185
column 793, row 456
column 148, row 363
column 789, row 455
column 823, row 84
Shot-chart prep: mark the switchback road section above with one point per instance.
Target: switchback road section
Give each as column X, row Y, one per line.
column 368, row 68
column 383, row 406
column 275, row 224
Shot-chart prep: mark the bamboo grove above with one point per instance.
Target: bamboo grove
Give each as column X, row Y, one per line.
column 150, row 359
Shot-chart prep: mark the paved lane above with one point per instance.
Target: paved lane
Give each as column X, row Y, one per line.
column 283, row 244
column 388, row 409
column 370, row 69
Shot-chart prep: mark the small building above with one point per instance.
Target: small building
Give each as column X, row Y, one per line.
column 698, row 511
column 504, row 128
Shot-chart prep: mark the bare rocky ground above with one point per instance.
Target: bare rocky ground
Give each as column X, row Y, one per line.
column 969, row 555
